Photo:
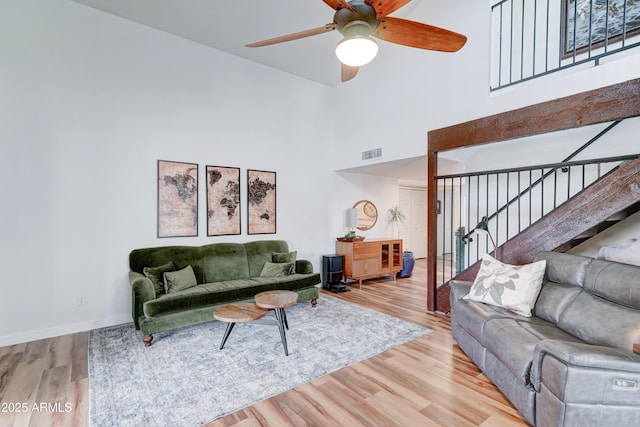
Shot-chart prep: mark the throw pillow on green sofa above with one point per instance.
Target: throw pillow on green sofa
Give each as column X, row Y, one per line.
column 179, row 280
column 156, row 274
column 273, row 269
column 285, row 257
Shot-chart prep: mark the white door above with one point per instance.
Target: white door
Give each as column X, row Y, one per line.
column 413, row 232
column 443, row 221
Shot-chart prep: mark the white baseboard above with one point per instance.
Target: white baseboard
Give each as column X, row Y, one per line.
column 56, row 331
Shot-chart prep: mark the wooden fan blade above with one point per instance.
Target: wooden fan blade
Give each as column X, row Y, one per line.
column 339, row 4
column 294, row 36
column 386, row 7
column 416, row 34
column 348, row 72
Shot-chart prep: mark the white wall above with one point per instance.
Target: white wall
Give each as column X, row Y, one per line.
column 89, row 103
column 351, row 188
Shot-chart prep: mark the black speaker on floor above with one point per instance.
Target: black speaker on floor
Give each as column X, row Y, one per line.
column 332, row 273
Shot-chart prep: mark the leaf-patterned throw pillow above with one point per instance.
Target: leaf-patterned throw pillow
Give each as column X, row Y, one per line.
column 513, row 287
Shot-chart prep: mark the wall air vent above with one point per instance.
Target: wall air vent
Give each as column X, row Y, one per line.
column 372, row 154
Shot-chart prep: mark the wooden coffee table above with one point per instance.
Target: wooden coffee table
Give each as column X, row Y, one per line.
column 278, row 301
column 237, row 313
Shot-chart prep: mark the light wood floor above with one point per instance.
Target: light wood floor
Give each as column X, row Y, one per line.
column 427, row 382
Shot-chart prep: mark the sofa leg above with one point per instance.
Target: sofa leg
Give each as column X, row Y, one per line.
column 314, row 302
column 147, row 340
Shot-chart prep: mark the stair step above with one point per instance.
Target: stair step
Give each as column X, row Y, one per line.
column 587, row 233
column 563, row 248
column 617, row 216
column 591, row 232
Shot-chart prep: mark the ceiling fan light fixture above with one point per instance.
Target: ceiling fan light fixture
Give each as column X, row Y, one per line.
column 356, row 51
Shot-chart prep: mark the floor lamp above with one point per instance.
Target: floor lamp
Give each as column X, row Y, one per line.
column 483, row 228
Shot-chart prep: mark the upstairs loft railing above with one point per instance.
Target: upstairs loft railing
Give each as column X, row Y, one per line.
column 511, row 200
column 532, row 38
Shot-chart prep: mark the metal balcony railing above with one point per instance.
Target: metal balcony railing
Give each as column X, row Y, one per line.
column 532, row 38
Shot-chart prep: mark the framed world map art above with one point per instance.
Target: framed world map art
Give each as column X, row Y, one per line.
column 261, row 196
column 223, row 200
column 177, row 199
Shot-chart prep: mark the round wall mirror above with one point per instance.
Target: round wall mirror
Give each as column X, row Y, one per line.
column 367, row 215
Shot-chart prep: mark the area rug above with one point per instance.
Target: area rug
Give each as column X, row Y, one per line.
column 184, row 380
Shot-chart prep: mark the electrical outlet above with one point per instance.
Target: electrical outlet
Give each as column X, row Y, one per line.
column 82, row 300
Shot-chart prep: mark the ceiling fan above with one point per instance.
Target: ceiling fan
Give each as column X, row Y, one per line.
column 358, row 20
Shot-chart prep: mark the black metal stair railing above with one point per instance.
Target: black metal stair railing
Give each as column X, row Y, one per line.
column 550, row 172
column 511, row 199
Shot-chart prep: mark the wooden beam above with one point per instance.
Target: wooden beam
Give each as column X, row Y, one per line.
column 432, row 191
column 602, row 105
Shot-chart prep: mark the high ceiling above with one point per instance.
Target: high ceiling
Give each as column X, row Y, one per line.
column 229, row 25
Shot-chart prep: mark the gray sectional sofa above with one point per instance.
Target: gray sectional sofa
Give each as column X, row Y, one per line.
column 571, row 363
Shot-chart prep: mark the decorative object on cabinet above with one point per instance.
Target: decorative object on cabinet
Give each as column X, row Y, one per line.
column 350, row 239
column 261, row 195
column 367, row 215
column 351, row 222
column 177, row 199
column 223, row 201
column 373, row 258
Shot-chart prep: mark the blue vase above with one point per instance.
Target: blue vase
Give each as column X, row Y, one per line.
column 408, row 262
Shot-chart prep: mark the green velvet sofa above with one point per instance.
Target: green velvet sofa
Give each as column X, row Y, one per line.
column 176, row 286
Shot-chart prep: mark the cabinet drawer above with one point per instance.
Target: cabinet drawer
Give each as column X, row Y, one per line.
column 366, row 251
column 366, row 255
column 365, row 266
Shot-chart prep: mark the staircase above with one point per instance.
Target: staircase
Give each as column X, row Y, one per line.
column 594, row 231
column 598, row 207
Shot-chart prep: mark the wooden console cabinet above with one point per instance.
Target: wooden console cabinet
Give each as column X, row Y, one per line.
column 371, row 258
